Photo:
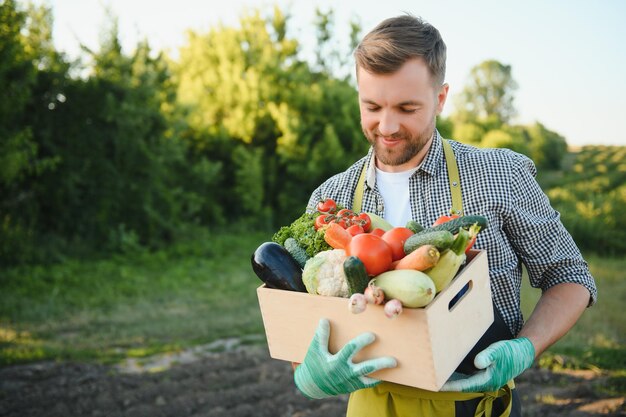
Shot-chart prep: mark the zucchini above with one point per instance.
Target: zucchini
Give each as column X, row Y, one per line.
column 356, row 275
column 454, row 225
column 414, row 226
column 297, row 252
column 413, row 288
column 450, row 262
column 441, row 239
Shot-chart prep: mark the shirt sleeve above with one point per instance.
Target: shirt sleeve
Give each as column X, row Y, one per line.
column 535, row 230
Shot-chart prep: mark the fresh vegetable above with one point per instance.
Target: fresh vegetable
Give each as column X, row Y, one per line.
column 323, row 274
column 378, row 232
column 336, row 236
column 296, row 251
column 441, row 239
column 455, row 224
column 373, row 251
column 379, row 222
column 395, row 238
column 445, row 218
column 393, row 308
column 373, row 294
column 276, row 267
column 414, row 226
column 355, row 229
column 357, row 303
column 450, row 261
column 303, row 231
column 327, row 205
column 356, row 274
column 364, row 220
column 323, row 220
column 421, row 259
column 412, row 288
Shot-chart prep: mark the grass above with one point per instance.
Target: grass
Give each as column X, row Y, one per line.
column 132, row 305
column 598, row 340
column 204, row 290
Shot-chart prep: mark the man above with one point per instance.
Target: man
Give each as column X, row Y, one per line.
column 400, row 67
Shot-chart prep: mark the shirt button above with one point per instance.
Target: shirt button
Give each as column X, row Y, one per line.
column 379, row 208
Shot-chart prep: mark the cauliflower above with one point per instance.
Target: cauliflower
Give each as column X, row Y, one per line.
column 323, row 274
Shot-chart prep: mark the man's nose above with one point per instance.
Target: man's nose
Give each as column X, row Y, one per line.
column 388, row 124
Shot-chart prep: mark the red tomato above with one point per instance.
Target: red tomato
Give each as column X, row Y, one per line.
column 373, row 251
column 322, row 220
column 326, row 206
column 378, row 232
column 395, row 238
column 345, row 213
column 355, row 229
column 445, row 218
column 364, row 220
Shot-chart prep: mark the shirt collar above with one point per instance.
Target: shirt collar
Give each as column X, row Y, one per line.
column 431, row 164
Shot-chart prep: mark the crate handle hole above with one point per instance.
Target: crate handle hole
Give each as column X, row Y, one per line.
column 460, row 295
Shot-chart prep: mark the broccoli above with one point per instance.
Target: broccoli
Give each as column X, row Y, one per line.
column 303, row 231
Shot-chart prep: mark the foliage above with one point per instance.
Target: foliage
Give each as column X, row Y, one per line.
column 590, row 196
column 488, row 94
column 133, row 150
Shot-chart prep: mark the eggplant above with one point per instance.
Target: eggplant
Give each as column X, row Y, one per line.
column 277, row 268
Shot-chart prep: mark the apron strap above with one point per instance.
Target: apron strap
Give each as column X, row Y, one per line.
column 357, row 202
column 453, row 176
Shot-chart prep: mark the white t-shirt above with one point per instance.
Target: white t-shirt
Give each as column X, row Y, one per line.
column 394, row 188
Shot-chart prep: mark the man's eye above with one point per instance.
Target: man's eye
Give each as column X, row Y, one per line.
column 405, row 110
column 373, row 108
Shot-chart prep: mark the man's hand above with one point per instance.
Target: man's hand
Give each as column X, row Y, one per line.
column 323, row 374
column 501, row 362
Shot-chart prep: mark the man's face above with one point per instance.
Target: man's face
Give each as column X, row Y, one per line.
column 398, row 113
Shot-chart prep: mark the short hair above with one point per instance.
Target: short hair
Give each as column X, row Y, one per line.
column 398, row 39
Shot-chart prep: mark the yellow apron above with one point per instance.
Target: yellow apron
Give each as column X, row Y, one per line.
column 394, row 400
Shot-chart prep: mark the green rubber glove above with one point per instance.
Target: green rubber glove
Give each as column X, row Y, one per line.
column 501, row 362
column 323, row 374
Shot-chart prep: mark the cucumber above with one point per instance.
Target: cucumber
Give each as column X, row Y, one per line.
column 441, row 239
column 356, row 275
column 296, row 251
column 414, row 226
column 454, row 225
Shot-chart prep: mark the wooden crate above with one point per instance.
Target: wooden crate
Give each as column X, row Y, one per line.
column 428, row 343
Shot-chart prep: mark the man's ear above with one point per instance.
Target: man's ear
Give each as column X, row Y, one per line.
column 442, row 95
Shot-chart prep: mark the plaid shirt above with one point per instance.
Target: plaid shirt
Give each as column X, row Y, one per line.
column 500, row 185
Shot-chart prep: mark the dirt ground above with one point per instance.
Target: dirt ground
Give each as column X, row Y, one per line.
column 243, row 381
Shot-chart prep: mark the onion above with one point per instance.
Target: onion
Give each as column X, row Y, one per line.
column 357, row 303
column 374, row 294
column 393, row 308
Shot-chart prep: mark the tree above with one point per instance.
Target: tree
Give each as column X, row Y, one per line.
column 488, row 96
column 547, row 147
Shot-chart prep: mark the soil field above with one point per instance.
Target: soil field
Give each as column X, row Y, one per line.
column 238, row 382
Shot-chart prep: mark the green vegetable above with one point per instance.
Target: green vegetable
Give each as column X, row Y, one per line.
column 303, row 231
column 450, row 261
column 297, row 252
column 454, row 225
column 356, row 274
column 414, row 226
column 441, row 239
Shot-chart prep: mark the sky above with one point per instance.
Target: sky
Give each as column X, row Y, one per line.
column 568, row 57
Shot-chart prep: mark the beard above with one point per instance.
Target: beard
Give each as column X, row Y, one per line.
column 399, row 155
